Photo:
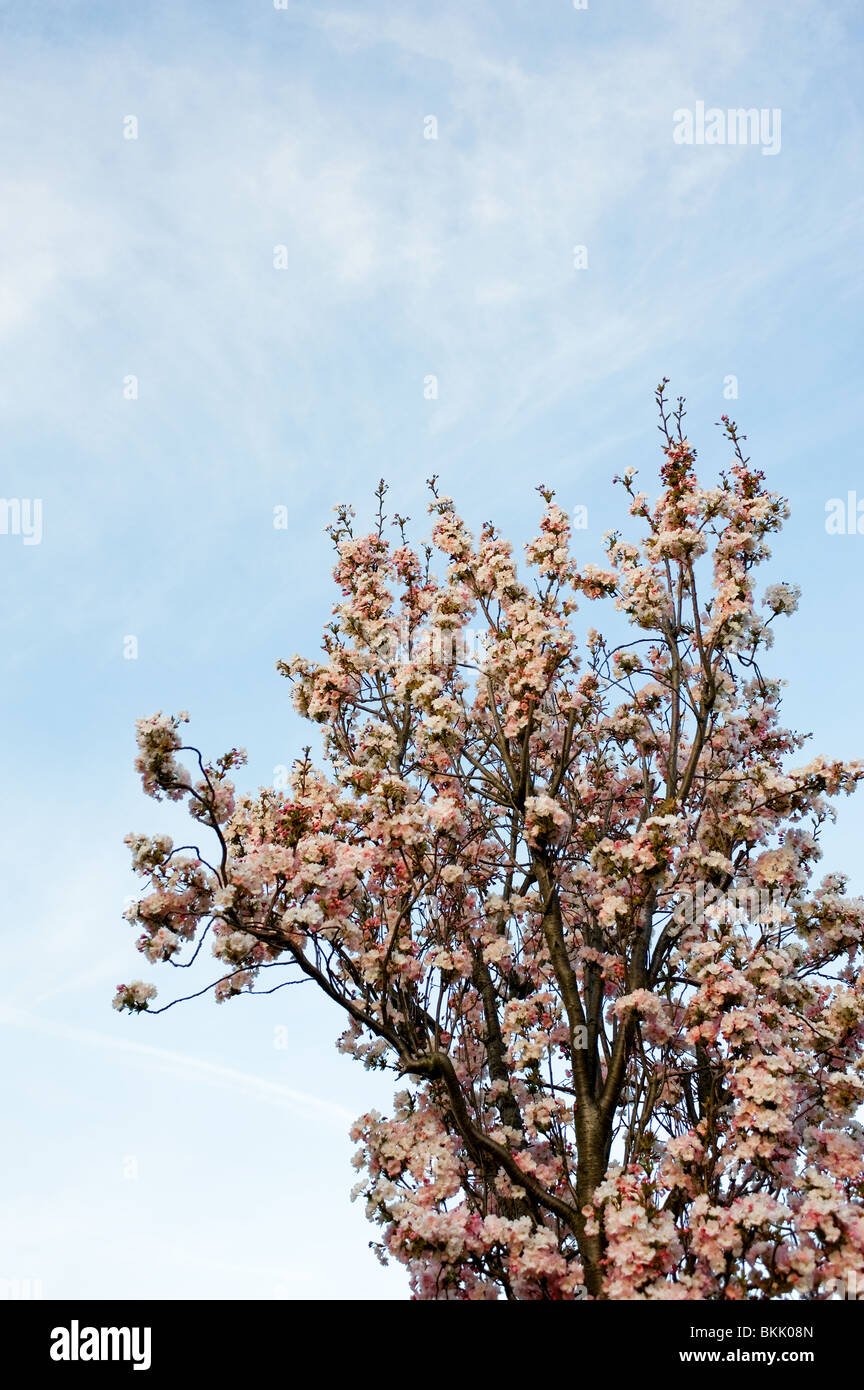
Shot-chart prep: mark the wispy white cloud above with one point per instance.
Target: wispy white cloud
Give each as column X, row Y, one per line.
column 465, row 243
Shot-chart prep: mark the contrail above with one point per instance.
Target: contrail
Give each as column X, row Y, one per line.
column 194, row 1068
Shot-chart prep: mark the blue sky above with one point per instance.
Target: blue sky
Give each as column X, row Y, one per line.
column 258, row 387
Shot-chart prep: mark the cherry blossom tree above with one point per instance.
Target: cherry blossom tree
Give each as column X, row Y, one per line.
column 563, row 889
